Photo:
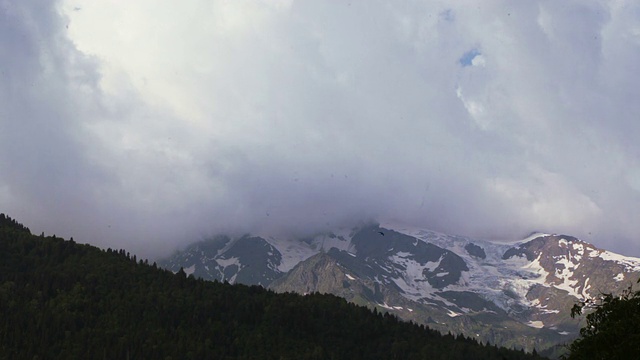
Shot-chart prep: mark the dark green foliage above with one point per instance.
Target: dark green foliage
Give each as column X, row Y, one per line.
column 612, row 330
column 62, row 300
column 7, row 222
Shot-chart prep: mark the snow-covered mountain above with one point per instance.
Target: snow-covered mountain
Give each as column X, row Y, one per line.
column 513, row 294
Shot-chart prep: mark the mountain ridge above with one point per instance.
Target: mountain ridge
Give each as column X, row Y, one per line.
column 453, row 283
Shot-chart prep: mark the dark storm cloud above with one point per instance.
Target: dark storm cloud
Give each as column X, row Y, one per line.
column 151, row 125
column 41, row 155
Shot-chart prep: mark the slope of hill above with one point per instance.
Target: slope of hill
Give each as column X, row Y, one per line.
column 62, row 300
column 514, row 294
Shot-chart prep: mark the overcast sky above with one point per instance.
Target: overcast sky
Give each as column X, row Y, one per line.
column 150, row 124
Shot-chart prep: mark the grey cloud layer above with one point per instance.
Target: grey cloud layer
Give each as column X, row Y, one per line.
column 154, row 125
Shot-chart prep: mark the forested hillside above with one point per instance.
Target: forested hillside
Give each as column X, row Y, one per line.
column 63, row 300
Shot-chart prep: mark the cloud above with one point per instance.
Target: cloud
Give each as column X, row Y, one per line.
column 152, row 125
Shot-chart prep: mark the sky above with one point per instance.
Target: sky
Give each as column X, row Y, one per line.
column 150, row 124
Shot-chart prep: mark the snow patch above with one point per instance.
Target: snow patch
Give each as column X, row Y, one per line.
column 190, row 269
column 537, row 235
column 546, row 311
column 228, row 262
column 631, row 263
column 349, row 277
column 292, row 252
column 386, row 306
column 536, row 324
column 586, row 287
column 411, row 281
column 579, row 247
column 566, row 274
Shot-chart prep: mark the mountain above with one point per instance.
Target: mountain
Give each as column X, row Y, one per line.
column 515, row 294
column 247, row 260
column 63, row 300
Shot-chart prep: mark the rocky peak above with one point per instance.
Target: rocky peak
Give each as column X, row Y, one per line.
column 396, row 254
column 573, row 265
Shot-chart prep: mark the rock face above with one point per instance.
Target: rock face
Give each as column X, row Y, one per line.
column 246, row 260
column 475, row 250
column 400, row 258
column 516, row 294
column 575, row 266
